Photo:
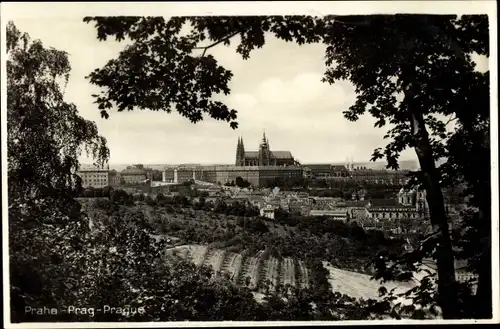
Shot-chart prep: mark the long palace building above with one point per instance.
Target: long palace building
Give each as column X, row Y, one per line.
column 258, row 167
column 265, row 166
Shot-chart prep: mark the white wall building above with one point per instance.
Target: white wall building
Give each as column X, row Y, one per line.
column 268, row 211
column 94, row 177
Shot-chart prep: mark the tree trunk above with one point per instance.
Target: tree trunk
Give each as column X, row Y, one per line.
column 447, row 294
column 484, row 288
column 478, row 177
column 483, row 192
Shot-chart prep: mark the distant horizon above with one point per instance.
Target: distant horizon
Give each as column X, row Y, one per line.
column 224, row 163
column 404, row 164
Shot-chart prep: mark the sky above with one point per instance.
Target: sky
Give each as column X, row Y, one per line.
column 278, row 90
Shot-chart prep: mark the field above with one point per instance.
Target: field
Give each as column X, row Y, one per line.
column 256, row 268
column 359, row 285
column 287, row 274
column 195, row 253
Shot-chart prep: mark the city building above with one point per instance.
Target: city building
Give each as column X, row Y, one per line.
column 263, row 157
column 372, row 176
column 390, row 209
column 357, row 210
column 93, row 176
column 184, row 174
column 465, row 275
column 404, row 213
column 268, row 211
column 326, row 171
column 334, row 213
column 359, row 195
column 410, row 204
column 307, row 172
column 168, row 175
column 114, row 178
column 321, row 203
column 133, row 175
column 303, row 208
column 259, row 168
column 256, row 175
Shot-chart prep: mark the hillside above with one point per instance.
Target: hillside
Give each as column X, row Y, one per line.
column 234, row 228
column 254, row 271
column 251, row 271
column 360, row 285
column 292, row 255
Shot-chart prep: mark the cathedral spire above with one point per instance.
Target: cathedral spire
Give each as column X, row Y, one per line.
column 238, row 152
column 264, row 139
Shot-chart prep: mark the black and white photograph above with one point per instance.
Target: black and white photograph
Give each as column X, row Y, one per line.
column 229, row 163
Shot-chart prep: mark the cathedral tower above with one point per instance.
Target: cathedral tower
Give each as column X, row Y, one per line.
column 240, row 153
column 264, row 152
column 238, row 147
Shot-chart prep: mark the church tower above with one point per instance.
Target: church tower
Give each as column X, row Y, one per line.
column 264, row 153
column 240, row 153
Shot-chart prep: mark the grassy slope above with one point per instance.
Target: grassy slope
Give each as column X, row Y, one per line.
column 200, row 229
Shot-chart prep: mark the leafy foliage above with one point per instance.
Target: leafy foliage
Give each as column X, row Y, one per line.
column 45, row 137
column 159, row 46
column 409, row 72
column 61, row 257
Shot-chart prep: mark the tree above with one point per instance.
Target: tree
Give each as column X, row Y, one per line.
column 45, row 136
column 240, row 182
column 415, row 70
column 54, row 249
column 409, row 72
column 108, row 258
column 471, row 141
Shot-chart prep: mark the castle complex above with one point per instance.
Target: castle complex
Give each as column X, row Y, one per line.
column 264, row 166
column 264, row 156
column 257, row 167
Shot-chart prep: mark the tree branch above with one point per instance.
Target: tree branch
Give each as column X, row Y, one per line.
column 335, row 19
column 426, row 238
column 452, row 118
column 215, row 43
column 414, row 278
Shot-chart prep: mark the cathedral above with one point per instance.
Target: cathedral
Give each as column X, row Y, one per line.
column 264, row 156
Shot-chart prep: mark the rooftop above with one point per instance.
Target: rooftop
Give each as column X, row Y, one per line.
column 319, row 166
column 87, row 168
column 258, row 168
column 133, row 171
column 356, row 203
column 386, row 203
column 275, row 154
